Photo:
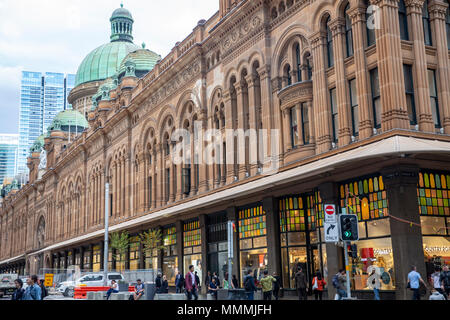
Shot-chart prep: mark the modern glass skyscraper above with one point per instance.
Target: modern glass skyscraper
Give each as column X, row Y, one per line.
column 9, row 144
column 42, row 97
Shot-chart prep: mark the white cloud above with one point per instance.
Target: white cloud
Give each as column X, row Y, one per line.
column 55, row 35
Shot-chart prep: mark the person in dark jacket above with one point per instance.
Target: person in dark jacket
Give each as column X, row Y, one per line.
column 212, row 288
column 300, row 284
column 249, row 285
column 164, row 285
column 197, row 279
column 179, row 282
column 215, row 276
column 158, row 283
column 208, row 279
column 19, row 292
column 44, row 291
column 235, row 282
column 276, row 286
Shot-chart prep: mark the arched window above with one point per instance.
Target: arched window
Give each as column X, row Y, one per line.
column 403, row 20
column 299, row 68
column 348, row 32
column 370, row 23
column 426, row 24
column 330, row 53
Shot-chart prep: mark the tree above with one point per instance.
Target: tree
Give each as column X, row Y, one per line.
column 120, row 242
column 151, row 240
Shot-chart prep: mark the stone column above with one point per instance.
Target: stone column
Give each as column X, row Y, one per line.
column 438, row 13
column 127, row 195
column 240, row 126
column 298, row 110
column 421, row 85
column 143, row 174
column 232, row 215
column 179, row 189
column 287, row 130
column 229, row 125
column 394, row 113
column 252, row 108
column 329, row 192
column 311, row 117
column 407, row 245
column 269, row 115
column 321, row 93
column 154, row 189
column 337, row 27
column 270, row 208
column 203, row 167
column 358, row 17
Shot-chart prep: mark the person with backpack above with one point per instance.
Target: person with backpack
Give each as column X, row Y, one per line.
column 19, row 292
column 179, row 282
column 33, row 291
column 445, row 281
column 318, row 284
column 301, row 284
column 338, row 282
column 249, row 285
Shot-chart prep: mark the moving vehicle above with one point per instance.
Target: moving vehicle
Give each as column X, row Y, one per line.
column 88, row 280
column 7, row 285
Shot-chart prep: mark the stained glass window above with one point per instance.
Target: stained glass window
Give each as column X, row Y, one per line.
column 192, row 234
column 293, row 211
column 252, row 222
column 434, row 194
column 170, row 236
column 366, row 198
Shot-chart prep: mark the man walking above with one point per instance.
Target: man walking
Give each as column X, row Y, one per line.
column 445, row 281
column 33, row 291
column 339, row 280
column 300, row 284
column 191, row 284
column 179, row 282
column 414, row 280
column 249, row 285
column 267, row 285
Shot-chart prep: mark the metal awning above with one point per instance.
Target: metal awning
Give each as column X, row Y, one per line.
column 392, row 146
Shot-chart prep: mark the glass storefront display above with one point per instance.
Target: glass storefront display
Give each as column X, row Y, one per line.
column 377, row 253
column 134, row 253
column 192, row 247
column 120, row 262
column 217, row 244
column 96, row 258
column 151, row 259
column 300, row 241
column 434, row 194
column 437, row 253
column 170, row 259
column 69, row 259
column 252, row 240
column 86, row 260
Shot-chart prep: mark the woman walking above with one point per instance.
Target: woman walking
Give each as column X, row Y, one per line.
column 318, row 284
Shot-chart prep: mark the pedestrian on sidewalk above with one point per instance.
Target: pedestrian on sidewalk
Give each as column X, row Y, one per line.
column 226, row 283
column 301, row 284
column 112, row 289
column 436, row 295
column 215, row 276
column 267, row 285
column 33, row 291
column 191, row 284
column 249, row 285
column 414, row 280
column 276, row 286
column 235, row 282
column 318, row 284
column 158, row 283
column 44, row 291
column 19, row 292
column 435, row 280
column 339, row 280
column 208, row 279
column 197, row 280
column 179, row 282
column 212, row 288
column 445, row 281
column 164, row 285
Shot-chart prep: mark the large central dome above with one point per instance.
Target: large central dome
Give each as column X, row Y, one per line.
column 103, row 62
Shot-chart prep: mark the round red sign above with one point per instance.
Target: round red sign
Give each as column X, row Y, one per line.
column 329, row 210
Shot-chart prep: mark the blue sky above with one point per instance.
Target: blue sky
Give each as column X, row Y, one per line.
column 55, row 36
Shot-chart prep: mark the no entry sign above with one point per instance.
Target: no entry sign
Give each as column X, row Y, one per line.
column 330, row 213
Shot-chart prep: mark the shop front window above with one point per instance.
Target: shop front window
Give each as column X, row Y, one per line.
column 253, row 240
column 96, row 259
column 151, row 259
column 437, row 253
column 192, row 247
column 134, row 253
column 170, row 259
column 434, row 194
column 86, row 260
column 217, row 244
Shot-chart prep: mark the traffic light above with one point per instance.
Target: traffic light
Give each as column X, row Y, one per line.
column 348, row 227
column 352, row 251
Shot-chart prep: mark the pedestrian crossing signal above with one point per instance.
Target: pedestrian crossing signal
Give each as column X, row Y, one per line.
column 349, row 227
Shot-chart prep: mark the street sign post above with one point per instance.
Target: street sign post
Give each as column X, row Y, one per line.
column 331, row 232
column 330, row 213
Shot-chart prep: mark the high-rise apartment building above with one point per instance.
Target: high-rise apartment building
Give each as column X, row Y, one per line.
column 42, row 96
column 9, row 144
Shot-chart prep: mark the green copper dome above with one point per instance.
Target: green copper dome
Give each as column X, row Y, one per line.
column 38, row 144
column 69, row 120
column 103, row 62
column 144, row 60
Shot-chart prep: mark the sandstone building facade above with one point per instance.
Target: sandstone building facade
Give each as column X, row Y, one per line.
column 358, row 92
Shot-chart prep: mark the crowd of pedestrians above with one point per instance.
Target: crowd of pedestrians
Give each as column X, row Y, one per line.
column 35, row 289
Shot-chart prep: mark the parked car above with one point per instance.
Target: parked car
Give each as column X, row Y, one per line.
column 88, row 280
column 7, row 285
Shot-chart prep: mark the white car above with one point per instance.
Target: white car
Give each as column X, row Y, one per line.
column 89, row 280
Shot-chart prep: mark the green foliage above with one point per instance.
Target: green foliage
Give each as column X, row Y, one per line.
column 152, row 239
column 119, row 241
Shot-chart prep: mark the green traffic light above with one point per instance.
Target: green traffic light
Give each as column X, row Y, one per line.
column 347, row 234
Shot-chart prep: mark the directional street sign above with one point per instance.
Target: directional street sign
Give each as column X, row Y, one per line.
column 330, row 213
column 331, row 232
